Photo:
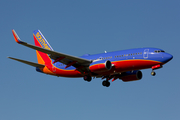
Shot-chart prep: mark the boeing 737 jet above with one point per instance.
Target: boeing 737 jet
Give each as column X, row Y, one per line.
column 124, row 65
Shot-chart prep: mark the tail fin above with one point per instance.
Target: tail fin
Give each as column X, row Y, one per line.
column 41, row 41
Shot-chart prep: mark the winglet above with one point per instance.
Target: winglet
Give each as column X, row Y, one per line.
column 16, row 37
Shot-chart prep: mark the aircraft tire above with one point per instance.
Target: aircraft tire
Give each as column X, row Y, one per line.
column 106, row 83
column 153, row 73
column 87, row 78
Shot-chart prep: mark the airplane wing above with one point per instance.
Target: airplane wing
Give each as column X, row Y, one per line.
column 28, row 62
column 57, row 56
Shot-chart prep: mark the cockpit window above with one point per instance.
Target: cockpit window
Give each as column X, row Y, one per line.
column 158, row 51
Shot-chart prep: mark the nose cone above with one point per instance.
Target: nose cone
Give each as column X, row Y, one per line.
column 167, row 57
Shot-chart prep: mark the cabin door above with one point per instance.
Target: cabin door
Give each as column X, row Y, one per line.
column 145, row 55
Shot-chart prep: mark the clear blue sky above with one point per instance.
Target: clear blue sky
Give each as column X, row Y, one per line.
column 79, row 27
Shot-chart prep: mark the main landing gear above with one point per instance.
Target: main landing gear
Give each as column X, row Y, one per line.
column 87, row 78
column 106, row 83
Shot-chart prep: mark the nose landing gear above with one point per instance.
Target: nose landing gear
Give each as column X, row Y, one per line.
column 153, row 73
column 154, row 68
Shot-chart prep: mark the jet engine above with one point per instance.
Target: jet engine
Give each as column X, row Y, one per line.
column 131, row 76
column 100, row 66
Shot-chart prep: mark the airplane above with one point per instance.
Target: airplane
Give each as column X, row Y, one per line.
column 124, row 64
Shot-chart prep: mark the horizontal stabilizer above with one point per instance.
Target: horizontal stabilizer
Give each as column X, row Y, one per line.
column 28, row 62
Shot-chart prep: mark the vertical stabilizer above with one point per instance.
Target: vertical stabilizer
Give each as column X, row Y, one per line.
column 41, row 41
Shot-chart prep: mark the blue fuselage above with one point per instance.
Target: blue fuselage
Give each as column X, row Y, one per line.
column 146, row 54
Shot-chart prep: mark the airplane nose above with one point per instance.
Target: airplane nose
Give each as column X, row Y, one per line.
column 167, row 57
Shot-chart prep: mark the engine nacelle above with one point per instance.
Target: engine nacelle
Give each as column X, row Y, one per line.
column 100, row 66
column 131, row 76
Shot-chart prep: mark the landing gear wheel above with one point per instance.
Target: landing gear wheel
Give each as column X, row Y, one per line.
column 106, row 83
column 153, row 73
column 87, row 78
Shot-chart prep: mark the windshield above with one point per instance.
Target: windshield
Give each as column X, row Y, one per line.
column 158, row 51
